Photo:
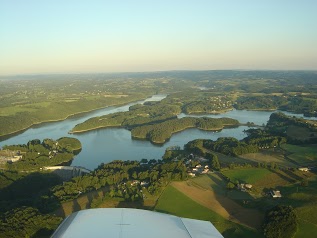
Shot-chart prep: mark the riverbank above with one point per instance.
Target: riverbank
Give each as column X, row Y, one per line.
column 19, row 131
column 93, row 128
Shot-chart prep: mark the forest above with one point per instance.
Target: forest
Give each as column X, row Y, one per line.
column 161, row 132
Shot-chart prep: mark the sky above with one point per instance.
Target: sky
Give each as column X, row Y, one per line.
column 87, row 36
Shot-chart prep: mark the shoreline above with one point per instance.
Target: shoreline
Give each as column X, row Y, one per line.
column 62, row 119
column 193, row 127
column 95, row 128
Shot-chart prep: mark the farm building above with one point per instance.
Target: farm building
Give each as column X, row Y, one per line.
column 276, row 194
column 304, row 169
column 130, row 223
column 248, row 186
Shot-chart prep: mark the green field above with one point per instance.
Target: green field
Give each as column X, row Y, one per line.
column 268, row 156
column 298, row 132
column 174, row 202
column 305, row 203
column 306, row 229
column 70, row 143
column 247, row 175
column 302, row 155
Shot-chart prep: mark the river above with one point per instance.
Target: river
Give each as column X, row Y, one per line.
column 105, row 145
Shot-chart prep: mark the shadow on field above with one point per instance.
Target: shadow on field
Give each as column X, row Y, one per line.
column 250, row 217
column 76, row 206
column 90, row 198
column 292, row 175
column 282, row 176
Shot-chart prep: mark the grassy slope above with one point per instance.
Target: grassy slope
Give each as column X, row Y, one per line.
column 174, row 202
column 303, row 199
column 248, row 175
column 303, row 155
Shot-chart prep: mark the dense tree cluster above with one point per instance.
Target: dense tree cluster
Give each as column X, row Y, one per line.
column 280, row 222
column 279, row 123
column 161, row 132
column 36, row 154
column 22, row 189
column 214, row 104
column 118, row 174
column 27, row 222
column 230, row 146
column 300, row 104
column 136, row 116
column 263, row 138
column 297, row 104
column 267, row 102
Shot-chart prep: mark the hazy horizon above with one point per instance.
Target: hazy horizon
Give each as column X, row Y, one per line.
column 71, row 37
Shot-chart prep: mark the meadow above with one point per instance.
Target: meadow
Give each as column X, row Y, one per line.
column 247, row 175
column 302, row 155
column 176, row 203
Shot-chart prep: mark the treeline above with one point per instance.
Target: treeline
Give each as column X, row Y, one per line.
column 161, row 132
column 36, row 154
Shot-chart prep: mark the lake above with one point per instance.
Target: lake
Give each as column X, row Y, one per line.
column 106, row 145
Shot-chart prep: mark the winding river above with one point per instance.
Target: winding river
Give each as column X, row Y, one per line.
column 105, row 145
